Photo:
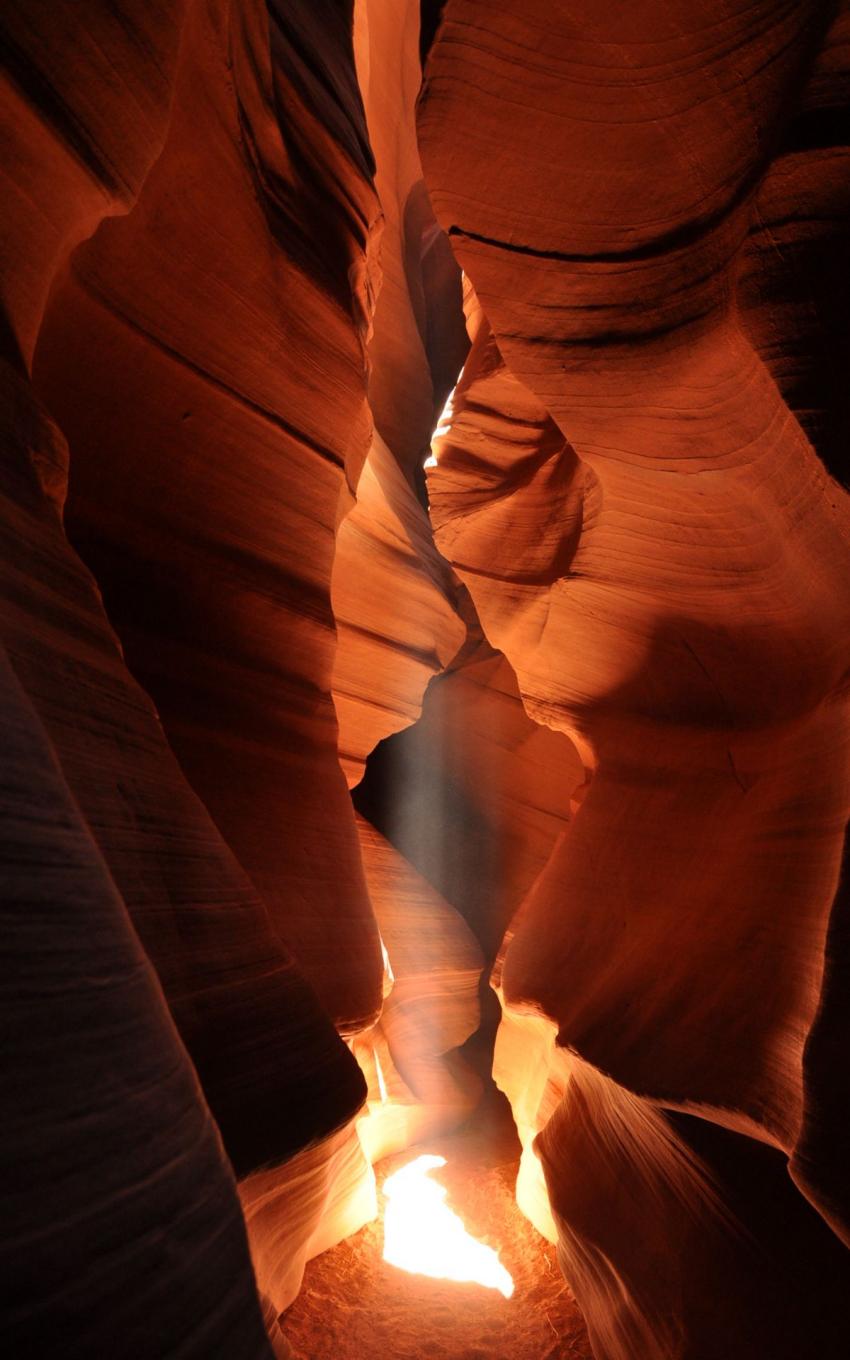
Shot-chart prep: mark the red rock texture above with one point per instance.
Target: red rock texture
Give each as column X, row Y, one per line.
column 198, row 335
column 589, row 689
column 234, row 357
column 275, row 1074
column 418, row 1084
column 107, row 1142
column 417, row 344
column 395, row 607
column 475, row 794
column 682, row 612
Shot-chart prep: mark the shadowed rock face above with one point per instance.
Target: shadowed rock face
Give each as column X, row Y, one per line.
column 107, row 1141
column 107, row 118
column 231, row 560
column 682, row 611
column 591, row 700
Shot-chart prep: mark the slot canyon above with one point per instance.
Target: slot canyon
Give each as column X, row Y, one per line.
column 425, row 670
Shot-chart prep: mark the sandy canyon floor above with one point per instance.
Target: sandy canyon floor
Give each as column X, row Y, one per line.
column 354, row 1305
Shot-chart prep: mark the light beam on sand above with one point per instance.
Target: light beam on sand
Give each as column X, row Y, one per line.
column 423, row 1236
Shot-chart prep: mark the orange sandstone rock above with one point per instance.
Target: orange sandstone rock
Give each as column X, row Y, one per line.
column 682, row 615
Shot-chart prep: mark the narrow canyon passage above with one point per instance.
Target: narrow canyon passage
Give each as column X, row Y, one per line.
column 425, row 617
column 352, row 1303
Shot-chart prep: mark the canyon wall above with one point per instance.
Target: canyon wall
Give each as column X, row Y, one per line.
column 588, row 687
column 631, row 492
column 189, row 292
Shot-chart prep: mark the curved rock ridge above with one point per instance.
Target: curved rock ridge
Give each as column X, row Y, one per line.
column 792, row 274
column 92, row 1065
column 418, row 341
column 588, row 687
column 299, row 1209
column 393, row 602
column 418, row 1084
column 753, row 1264
column 233, row 989
column 124, row 356
column 530, row 494
column 217, row 580
column 393, row 596
column 684, row 620
column 86, row 98
column 212, row 386
column 474, row 794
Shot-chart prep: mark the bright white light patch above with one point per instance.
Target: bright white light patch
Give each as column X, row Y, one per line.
column 379, row 1072
column 388, row 968
column 444, row 423
column 424, row 1237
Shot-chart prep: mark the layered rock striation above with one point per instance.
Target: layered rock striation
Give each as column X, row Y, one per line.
column 680, row 613
column 588, row 687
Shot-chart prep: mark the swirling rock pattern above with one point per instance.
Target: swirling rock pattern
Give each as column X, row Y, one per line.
column 418, row 1084
column 682, row 616
column 196, row 334
column 110, row 107
column 92, row 1065
column 614, row 658
column 394, row 604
